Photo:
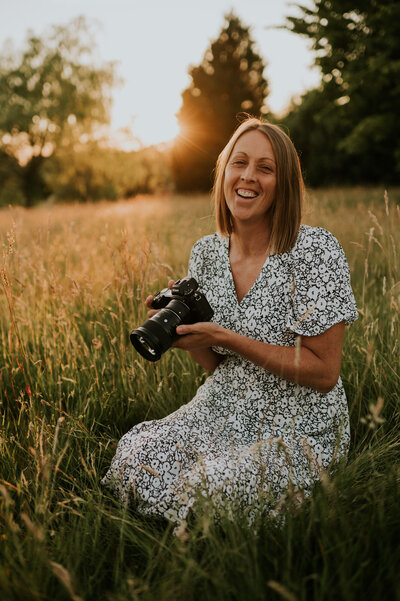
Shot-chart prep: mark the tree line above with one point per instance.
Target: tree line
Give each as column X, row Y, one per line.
column 55, row 94
column 346, row 130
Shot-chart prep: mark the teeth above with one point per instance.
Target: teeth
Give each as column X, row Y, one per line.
column 247, row 193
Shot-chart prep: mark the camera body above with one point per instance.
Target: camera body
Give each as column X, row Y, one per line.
column 183, row 303
column 186, row 291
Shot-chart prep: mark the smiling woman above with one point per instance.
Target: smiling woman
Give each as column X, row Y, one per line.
column 273, row 415
column 276, row 157
column 250, row 179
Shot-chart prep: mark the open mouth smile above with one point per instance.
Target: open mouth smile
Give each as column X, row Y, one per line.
column 243, row 193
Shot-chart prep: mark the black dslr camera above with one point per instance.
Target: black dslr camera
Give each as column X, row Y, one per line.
column 184, row 303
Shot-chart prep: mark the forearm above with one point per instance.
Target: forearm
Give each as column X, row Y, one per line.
column 207, row 358
column 297, row 364
column 315, row 362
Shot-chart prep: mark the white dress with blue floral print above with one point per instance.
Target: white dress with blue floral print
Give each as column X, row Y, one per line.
column 248, row 435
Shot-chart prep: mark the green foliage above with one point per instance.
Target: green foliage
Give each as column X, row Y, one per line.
column 357, row 47
column 73, row 281
column 92, row 172
column 51, row 93
column 315, row 125
column 228, row 82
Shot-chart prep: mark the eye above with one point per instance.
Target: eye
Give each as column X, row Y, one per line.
column 238, row 162
column 265, row 168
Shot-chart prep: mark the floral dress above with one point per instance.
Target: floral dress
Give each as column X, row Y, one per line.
column 248, row 435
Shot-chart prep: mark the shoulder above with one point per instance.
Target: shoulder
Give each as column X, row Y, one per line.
column 318, row 241
column 207, row 254
column 209, row 244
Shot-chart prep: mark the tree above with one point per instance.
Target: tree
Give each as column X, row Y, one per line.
column 358, row 50
column 228, row 81
column 51, row 93
column 316, row 125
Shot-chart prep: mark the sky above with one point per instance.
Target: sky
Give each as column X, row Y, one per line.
column 154, row 42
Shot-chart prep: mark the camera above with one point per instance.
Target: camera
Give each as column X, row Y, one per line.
column 184, row 303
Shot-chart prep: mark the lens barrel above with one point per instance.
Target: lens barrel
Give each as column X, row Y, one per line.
column 157, row 334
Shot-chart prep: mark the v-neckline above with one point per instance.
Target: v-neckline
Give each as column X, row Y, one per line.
column 232, row 281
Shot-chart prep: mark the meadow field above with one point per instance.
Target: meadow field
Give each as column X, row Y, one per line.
column 73, row 281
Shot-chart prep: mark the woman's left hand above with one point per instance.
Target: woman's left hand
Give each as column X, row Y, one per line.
column 198, row 335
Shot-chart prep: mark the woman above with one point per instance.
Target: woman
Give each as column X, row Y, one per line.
column 273, row 415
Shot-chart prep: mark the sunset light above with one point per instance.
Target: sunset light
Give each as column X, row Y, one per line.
column 154, row 45
column 157, row 124
column 199, row 300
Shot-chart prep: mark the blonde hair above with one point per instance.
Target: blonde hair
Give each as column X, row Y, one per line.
column 286, row 210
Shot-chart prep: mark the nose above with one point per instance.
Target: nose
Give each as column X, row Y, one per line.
column 248, row 174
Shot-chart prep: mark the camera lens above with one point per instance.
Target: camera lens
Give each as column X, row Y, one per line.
column 145, row 345
column 157, row 334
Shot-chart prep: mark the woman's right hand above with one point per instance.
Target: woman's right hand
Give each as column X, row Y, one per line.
column 150, row 299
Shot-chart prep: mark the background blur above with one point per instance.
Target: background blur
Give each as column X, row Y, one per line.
column 102, row 100
column 134, row 101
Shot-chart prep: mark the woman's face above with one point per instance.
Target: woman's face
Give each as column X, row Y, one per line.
column 250, row 178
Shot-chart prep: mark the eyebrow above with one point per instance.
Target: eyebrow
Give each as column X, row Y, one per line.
column 271, row 160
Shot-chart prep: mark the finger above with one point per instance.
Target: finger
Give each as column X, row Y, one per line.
column 171, row 283
column 149, row 300
column 193, row 328
column 152, row 312
column 185, row 329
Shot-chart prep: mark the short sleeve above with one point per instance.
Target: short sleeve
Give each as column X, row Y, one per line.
column 321, row 293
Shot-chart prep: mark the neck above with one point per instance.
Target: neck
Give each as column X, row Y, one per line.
column 251, row 239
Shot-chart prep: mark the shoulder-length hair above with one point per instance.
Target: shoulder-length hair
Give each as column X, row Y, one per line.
column 286, row 210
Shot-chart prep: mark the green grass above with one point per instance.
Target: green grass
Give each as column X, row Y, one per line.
column 73, row 281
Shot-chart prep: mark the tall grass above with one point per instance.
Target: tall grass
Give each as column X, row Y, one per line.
column 73, row 281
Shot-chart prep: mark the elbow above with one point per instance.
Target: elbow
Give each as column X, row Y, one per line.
column 327, row 383
column 324, row 389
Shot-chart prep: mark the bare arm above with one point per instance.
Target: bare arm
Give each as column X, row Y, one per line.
column 206, row 357
column 314, row 362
